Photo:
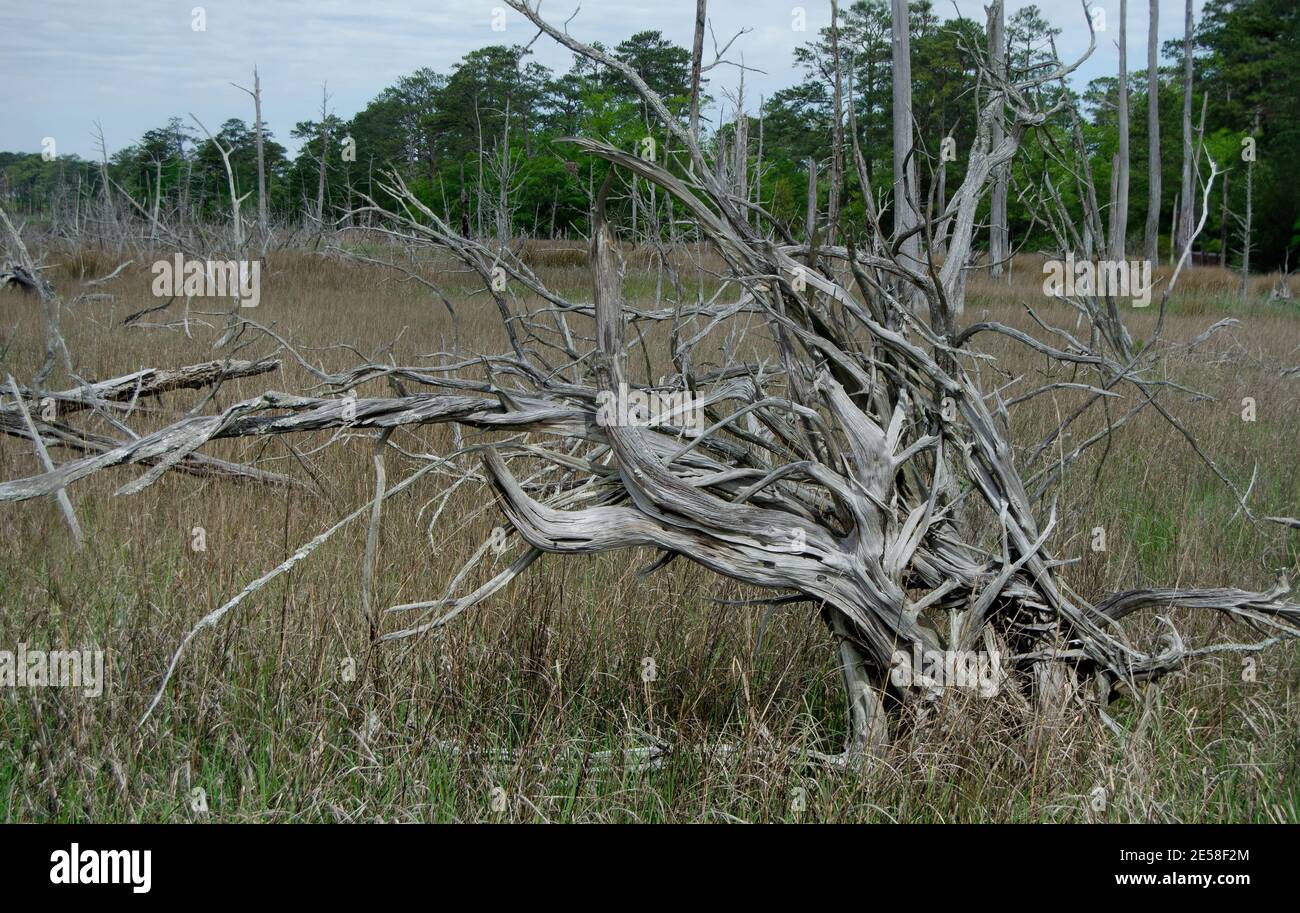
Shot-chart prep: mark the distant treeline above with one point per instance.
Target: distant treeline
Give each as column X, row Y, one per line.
column 477, row 144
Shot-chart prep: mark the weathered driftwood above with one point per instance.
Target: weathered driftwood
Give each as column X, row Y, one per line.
column 61, row 496
column 131, row 388
column 852, row 470
column 153, row 382
column 58, row 434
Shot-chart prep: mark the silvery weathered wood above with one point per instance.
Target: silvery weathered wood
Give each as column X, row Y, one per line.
column 850, row 468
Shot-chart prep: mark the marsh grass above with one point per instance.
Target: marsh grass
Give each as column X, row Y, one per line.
column 260, row 715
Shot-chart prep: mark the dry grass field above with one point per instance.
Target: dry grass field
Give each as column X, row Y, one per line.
column 263, row 719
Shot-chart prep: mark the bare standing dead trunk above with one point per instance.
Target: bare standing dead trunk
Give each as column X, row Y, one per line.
column 810, row 218
column 183, row 216
column 157, row 199
column 110, row 213
column 837, row 130
column 999, row 236
column 941, row 194
column 324, row 158
column 1246, row 222
column 236, row 221
column 263, row 219
column 697, row 55
column 741, row 151
column 1174, row 217
column 1152, row 235
column 263, row 214
column 1119, row 215
column 1224, row 216
column 906, row 215
column 1187, row 207
column 464, row 203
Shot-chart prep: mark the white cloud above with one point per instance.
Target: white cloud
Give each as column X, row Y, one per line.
column 131, row 65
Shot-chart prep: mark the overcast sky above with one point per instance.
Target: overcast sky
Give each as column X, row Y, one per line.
column 131, row 64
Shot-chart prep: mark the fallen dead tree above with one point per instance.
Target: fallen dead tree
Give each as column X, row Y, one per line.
column 125, row 393
column 153, row 382
column 850, row 471
column 37, row 414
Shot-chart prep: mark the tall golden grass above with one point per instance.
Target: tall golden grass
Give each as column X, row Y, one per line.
column 262, row 718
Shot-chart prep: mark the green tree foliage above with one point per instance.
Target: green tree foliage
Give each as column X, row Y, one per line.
column 450, row 134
